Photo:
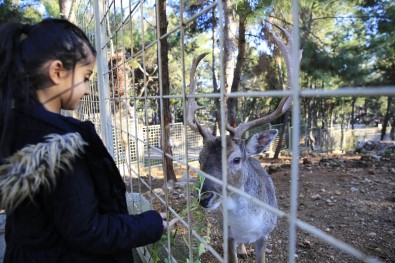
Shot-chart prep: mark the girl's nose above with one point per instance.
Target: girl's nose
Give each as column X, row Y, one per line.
column 87, row 90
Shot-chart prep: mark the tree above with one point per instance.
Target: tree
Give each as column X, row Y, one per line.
column 164, row 78
column 65, row 8
column 380, row 19
column 11, row 11
column 52, row 7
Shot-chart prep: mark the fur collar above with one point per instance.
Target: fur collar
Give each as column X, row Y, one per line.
column 24, row 173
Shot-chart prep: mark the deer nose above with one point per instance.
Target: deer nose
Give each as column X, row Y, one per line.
column 205, row 198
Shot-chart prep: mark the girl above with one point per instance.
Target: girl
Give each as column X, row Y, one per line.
column 63, row 194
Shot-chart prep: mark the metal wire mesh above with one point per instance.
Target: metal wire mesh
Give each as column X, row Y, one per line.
column 126, row 101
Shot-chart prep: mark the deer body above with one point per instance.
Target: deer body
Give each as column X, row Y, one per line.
column 247, row 222
column 119, row 95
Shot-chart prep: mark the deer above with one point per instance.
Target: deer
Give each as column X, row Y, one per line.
column 247, row 222
column 119, row 88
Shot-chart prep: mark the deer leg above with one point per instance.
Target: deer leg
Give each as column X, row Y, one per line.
column 242, row 251
column 129, row 109
column 122, row 123
column 232, row 253
column 126, row 150
column 130, row 132
column 260, row 249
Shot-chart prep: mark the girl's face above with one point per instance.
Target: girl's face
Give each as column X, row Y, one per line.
column 75, row 86
column 68, row 86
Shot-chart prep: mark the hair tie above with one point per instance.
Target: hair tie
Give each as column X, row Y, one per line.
column 26, row 29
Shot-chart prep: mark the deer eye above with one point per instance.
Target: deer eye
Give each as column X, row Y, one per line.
column 236, row 160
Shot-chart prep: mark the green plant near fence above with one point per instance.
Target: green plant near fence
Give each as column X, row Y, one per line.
column 199, row 225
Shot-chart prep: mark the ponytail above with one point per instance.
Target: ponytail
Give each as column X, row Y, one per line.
column 9, row 55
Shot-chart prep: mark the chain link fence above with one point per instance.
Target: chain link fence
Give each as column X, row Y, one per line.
column 125, row 104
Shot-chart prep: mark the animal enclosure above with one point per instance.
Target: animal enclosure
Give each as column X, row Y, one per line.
column 139, row 105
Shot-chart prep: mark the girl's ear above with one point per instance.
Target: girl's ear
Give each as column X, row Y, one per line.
column 56, row 71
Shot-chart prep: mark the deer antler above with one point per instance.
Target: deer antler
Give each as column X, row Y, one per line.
column 282, row 107
column 285, row 102
column 192, row 107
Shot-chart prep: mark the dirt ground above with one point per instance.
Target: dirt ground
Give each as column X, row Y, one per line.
column 351, row 197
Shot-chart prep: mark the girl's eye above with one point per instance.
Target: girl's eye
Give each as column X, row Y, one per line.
column 236, row 160
column 86, row 79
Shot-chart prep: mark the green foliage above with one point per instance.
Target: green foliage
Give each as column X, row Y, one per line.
column 156, row 255
column 51, row 7
column 28, row 11
column 10, row 12
column 198, row 224
column 380, row 19
column 339, row 49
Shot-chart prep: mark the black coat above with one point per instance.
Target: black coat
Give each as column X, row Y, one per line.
column 64, row 196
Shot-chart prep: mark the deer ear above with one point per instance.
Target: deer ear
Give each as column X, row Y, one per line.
column 259, row 141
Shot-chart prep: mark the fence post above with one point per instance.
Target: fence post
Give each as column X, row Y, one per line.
column 102, row 71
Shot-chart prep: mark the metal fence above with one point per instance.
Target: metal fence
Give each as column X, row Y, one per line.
column 124, row 112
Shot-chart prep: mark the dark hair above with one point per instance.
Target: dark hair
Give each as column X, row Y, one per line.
column 24, row 49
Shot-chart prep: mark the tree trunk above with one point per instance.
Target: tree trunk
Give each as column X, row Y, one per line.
column 314, row 112
column 217, row 103
column 386, row 118
column 248, row 109
column 309, row 126
column 166, row 147
column 353, row 100
column 65, row 7
column 229, row 45
column 232, row 102
column 282, row 135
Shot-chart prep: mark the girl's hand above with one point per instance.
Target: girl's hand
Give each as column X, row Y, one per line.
column 166, row 224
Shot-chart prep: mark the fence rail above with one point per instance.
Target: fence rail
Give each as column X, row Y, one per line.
column 326, row 140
